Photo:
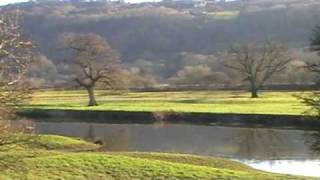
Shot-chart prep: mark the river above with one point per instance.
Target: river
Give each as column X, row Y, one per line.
column 274, row 150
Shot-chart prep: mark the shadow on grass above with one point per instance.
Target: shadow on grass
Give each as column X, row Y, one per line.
column 191, row 101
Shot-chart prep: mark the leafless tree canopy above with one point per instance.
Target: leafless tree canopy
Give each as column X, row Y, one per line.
column 315, row 39
column 313, row 100
column 257, row 63
column 315, row 46
column 96, row 62
column 15, row 57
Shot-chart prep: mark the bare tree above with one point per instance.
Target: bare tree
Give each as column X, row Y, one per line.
column 313, row 100
column 96, row 62
column 15, row 58
column 314, row 67
column 315, row 39
column 257, row 62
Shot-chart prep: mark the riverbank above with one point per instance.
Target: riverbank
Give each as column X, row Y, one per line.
column 56, row 157
column 123, row 117
column 223, row 102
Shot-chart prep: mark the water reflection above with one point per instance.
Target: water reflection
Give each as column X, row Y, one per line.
column 303, row 168
column 313, row 141
column 282, row 151
column 115, row 139
column 263, row 144
column 239, row 143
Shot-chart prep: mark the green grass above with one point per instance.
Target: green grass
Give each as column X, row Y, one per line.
column 45, row 142
column 45, row 162
column 223, row 15
column 190, row 159
column 185, row 101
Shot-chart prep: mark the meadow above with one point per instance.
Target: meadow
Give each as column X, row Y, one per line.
column 55, row 157
column 223, row 15
column 28, row 156
column 269, row 102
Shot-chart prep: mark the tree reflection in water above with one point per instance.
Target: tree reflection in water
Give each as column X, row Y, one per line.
column 239, row 143
column 255, row 143
column 115, row 139
column 312, row 139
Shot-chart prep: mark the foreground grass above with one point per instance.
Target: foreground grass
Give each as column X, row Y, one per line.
column 36, row 161
column 186, row 101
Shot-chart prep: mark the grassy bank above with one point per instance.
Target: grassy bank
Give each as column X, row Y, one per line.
column 185, row 101
column 54, row 157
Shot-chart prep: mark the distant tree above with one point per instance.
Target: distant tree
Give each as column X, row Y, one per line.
column 196, row 75
column 42, row 67
column 315, row 46
column 315, row 39
column 15, row 58
column 313, row 100
column 95, row 62
column 257, row 62
column 137, row 78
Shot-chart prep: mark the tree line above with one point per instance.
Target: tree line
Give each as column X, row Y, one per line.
column 166, row 40
column 96, row 63
column 91, row 61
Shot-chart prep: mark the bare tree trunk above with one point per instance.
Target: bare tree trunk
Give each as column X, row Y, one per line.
column 92, row 99
column 254, row 91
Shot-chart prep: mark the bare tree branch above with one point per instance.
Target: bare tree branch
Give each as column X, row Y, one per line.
column 257, row 63
column 16, row 54
column 96, row 62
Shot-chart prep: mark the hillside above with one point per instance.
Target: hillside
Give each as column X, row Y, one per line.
column 158, row 39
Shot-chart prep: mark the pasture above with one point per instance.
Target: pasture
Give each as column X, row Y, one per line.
column 269, row 102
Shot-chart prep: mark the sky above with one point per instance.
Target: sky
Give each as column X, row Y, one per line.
column 5, row 2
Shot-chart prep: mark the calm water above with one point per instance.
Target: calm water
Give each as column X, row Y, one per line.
column 283, row 151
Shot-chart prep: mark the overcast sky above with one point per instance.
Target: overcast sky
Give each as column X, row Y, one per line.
column 4, row 2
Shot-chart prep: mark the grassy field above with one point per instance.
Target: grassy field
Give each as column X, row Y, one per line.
column 185, row 101
column 223, row 15
column 55, row 157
